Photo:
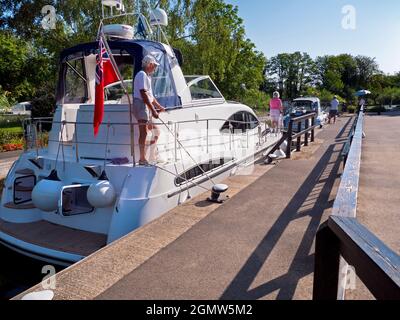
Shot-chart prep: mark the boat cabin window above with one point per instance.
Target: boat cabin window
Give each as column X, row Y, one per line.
column 240, row 122
column 75, row 82
column 114, row 92
column 197, row 172
column 162, row 82
column 203, row 88
column 78, row 70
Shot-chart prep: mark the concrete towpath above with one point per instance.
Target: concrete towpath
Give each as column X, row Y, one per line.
column 258, row 245
column 379, row 191
column 6, row 161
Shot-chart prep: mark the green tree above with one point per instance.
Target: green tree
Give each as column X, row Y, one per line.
column 278, row 71
column 6, row 100
column 348, row 70
column 366, row 68
column 329, row 74
column 291, row 73
column 256, row 99
column 389, row 96
column 210, row 34
column 23, row 69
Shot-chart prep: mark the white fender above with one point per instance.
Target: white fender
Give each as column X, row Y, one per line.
column 101, row 194
column 45, row 195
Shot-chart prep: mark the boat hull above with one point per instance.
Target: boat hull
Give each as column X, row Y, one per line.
column 135, row 207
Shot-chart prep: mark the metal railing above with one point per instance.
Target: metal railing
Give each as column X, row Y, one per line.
column 344, row 240
column 34, row 130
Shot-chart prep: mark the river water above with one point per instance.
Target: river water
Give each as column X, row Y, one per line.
column 18, row 273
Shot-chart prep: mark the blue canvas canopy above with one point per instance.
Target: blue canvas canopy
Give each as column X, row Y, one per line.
column 164, row 88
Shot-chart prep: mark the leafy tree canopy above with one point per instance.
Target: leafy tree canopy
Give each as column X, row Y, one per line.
column 211, row 36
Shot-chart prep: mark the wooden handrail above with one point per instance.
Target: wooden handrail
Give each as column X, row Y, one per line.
column 343, row 240
column 376, row 265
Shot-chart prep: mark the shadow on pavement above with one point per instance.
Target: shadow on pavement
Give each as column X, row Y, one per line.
column 314, row 195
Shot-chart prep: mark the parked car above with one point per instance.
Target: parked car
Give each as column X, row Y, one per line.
column 22, row 108
column 303, row 106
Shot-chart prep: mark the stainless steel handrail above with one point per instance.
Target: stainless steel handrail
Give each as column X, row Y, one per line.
column 47, row 120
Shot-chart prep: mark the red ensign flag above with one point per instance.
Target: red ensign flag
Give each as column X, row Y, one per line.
column 105, row 75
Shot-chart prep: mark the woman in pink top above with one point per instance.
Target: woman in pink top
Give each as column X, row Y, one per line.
column 276, row 108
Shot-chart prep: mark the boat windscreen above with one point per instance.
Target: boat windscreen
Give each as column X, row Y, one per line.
column 203, row 87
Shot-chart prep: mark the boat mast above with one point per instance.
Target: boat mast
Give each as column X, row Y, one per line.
column 117, row 71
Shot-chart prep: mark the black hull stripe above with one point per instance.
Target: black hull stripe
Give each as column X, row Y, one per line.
column 31, row 253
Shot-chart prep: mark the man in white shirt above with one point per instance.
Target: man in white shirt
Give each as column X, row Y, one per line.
column 144, row 102
column 334, row 109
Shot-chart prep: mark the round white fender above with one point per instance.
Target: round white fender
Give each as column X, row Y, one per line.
column 45, row 195
column 101, row 194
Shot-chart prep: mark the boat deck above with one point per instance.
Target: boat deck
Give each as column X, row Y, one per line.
column 56, row 237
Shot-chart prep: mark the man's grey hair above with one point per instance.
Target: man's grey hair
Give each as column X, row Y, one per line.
column 149, row 59
column 276, row 94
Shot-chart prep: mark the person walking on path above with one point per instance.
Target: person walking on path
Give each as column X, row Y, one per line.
column 276, row 109
column 144, row 103
column 361, row 104
column 334, row 109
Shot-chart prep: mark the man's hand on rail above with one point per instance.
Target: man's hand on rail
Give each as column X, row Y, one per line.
column 158, row 106
column 155, row 114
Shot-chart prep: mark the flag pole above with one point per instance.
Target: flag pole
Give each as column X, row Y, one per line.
column 120, row 77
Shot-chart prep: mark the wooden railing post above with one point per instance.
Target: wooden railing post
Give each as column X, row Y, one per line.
column 298, row 146
column 327, row 261
column 313, row 129
column 290, row 139
column 306, row 126
column 376, row 265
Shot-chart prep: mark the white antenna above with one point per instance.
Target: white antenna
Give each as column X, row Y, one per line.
column 144, row 29
column 113, row 3
column 117, row 4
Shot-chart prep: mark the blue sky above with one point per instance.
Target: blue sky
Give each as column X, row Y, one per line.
column 315, row 26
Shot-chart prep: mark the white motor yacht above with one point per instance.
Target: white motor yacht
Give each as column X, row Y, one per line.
column 65, row 201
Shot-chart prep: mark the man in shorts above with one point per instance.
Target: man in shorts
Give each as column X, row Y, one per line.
column 145, row 103
column 334, row 109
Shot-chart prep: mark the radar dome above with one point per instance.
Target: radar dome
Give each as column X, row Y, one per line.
column 158, row 17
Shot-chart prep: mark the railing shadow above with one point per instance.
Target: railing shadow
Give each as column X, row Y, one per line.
column 315, row 192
